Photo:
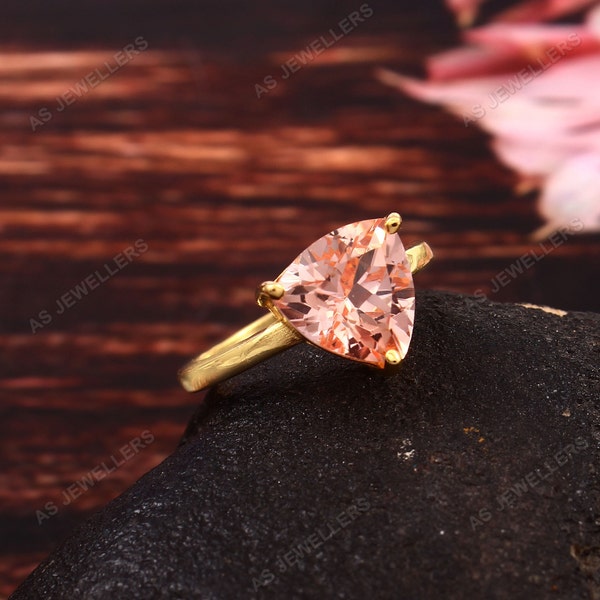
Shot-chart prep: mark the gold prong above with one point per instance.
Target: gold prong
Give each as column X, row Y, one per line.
column 268, row 291
column 392, row 357
column 419, row 256
column 393, row 222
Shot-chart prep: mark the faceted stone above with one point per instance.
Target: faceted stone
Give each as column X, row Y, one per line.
column 351, row 292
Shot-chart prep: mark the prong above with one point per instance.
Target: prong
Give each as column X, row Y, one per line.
column 419, row 256
column 392, row 357
column 393, row 222
column 269, row 291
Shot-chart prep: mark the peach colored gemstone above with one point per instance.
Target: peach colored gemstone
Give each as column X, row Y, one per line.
column 352, row 293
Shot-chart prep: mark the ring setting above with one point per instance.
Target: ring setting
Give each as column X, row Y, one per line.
column 351, row 293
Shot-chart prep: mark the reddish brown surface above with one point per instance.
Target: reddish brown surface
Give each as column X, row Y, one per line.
column 176, row 149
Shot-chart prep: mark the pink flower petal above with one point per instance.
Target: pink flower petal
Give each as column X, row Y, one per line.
column 542, row 10
column 572, row 194
column 592, row 21
column 535, row 39
column 539, row 157
column 504, row 48
column 472, row 61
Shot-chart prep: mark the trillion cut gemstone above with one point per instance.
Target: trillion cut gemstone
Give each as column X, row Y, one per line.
column 352, row 293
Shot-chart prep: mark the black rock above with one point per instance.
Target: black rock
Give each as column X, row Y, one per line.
column 470, row 472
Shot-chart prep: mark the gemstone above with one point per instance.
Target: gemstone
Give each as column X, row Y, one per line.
column 351, row 292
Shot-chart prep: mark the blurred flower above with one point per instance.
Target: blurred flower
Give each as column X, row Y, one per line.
column 532, row 11
column 536, row 90
column 542, row 10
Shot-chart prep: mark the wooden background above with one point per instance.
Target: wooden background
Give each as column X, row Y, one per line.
column 225, row 188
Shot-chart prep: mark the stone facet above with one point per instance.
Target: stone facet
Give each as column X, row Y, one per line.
column 351, row 292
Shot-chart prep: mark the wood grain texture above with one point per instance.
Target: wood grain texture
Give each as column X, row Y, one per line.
column 225, row 189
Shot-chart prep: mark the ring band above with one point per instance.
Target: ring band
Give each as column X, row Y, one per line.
column 362, row 272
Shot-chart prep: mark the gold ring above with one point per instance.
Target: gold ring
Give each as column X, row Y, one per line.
column 351, row 293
